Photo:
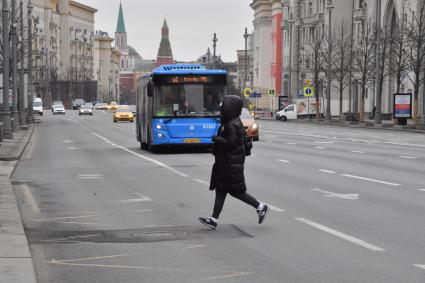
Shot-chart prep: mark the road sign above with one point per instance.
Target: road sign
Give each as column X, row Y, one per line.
column 272, row 92
column 308, row 91
column 247, row 92
column 256, row 94
column 308, row 83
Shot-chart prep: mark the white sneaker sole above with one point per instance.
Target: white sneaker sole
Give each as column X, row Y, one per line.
column 208, row 225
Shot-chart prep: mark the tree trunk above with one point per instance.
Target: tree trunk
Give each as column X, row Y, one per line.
column 362, row 101
column 340, row 103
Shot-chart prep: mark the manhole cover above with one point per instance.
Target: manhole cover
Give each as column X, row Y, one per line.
column 158, row 234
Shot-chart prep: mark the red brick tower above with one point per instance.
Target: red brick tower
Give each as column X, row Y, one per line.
column 165, row 54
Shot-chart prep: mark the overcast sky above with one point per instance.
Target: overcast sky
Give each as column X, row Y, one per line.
column 192, row 24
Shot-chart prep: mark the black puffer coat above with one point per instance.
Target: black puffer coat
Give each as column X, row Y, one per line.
column 229, row 149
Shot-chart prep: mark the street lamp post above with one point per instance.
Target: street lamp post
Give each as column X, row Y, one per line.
column 5, row 111
column 330, row 43
column 246, row 35
column 21, row 100
column 30, row 83
column 14, row 35
column 214, row 48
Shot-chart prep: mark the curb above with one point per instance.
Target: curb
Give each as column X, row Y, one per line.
column 22, row 145
column 16, row 262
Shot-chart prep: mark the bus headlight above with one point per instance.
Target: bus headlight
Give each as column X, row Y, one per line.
column 160, row 135
column 158, row 126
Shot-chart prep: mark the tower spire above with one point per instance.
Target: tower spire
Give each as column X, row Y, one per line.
column 120, row 24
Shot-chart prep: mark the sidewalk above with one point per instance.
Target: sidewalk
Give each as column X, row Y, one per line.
column 16, row 263
column 368, row 124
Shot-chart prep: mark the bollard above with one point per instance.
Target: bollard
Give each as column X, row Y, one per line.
column 12, row 119
column 1, row 131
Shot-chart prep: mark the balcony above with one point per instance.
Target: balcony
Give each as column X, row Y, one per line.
column 360, row 14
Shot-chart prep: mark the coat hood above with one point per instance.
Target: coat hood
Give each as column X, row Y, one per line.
column 231, row 107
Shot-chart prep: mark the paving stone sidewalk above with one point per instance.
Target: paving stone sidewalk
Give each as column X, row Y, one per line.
column 16, row 263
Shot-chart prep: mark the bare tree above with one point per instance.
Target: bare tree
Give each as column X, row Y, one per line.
column 341, row 62
column 416, row 52
column 400, row 55
column 364, row 63
column 381, row 47
column 316, row 59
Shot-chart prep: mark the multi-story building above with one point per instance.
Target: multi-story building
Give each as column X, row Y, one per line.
column 63, row 50
column 106, row 67
column 301, row 23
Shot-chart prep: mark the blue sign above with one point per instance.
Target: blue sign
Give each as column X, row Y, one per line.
column 256, row 94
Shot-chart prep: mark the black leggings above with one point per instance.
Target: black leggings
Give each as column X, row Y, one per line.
column 220, row 197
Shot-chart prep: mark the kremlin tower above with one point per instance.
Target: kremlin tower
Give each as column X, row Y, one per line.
column 165, row 54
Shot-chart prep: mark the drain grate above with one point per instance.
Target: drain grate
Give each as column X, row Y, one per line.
column 17, row 183
column 146, row 235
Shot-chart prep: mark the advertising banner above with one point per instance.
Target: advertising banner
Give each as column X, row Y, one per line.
column 402, row 105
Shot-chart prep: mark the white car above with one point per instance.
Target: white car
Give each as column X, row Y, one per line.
column 37, row 106
column 58, row 109
column 289, row 113
column 85, row 109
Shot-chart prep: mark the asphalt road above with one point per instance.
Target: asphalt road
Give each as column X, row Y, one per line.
column 348, row 206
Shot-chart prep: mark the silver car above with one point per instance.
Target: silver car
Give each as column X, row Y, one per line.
column 58, row 109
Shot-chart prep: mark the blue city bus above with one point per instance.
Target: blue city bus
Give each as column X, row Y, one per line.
column 179, row 105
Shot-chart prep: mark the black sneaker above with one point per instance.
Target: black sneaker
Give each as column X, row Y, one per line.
column 262, row 213
column 208, row 222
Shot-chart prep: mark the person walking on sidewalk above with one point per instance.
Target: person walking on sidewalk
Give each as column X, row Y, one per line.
column 227, row 175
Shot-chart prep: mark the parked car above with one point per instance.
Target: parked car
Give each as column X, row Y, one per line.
column 37, row 106
column 123, row 114
column 86, row 109
column 289, row 113
column 58, row 109
column 100, row 106
column 251, row 126
column 113, row 106
column 77, row 103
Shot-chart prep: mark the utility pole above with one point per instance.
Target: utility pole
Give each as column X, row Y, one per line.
column 214, row 48
column 329, row 81
column 5, row 111
column 14, row 35
column 21, row 100
column 350, row 83
column 246, row 35
column 30, row 84
column 378, row 86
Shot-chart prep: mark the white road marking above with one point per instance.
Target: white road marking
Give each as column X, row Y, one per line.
column 408, row 157
column 327, row 171
column 336, row 195
column 274, row 208
column 141, row 198
column 422, row 266
column 291, row 143
column 89, row 176
column 202, row 182
column 371, row 180
column 193, row 247
column 68, row 141
column 324, row 142
column 320, row 147
column 358, row 151
column 340, row 235
column 63, row 218
column 73, row 148
column 422, row 190
column 284, row 161
column 29, row 198
column 76, row 237
column 227, row 276
column 159, row 163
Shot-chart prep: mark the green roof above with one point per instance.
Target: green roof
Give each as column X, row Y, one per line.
column 120, row 24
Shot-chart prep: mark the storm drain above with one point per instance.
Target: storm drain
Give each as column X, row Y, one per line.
column 20, row 183
column 145, row 235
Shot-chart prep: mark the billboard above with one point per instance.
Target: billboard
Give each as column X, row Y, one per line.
column 402, row 105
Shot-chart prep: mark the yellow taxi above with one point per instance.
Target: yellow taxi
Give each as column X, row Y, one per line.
column 113, row 106
column 123, row 114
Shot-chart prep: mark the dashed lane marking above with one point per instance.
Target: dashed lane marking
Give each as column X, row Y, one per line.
column 63, row 218
column 140, row 198
column 274, row 208
column 421, row 190
column 337, row 195
column 408, row 157
column 320, row 147
column 291, row 143
column 284, row 161
column 89, row 176
column 371, row 180
column 422, row 266
column 327, row 171
column 340, row 235
column 358, row 151
column 324, row 142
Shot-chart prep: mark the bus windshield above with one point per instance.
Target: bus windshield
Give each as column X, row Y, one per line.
column 186, row 100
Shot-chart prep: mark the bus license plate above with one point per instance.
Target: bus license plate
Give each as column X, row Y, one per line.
column 192, row 141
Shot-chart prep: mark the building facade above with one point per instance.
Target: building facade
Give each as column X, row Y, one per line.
column 63, row 51
column 245, row 65
column 107, row 60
